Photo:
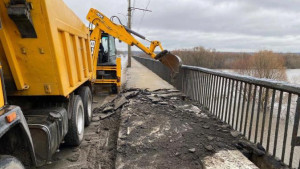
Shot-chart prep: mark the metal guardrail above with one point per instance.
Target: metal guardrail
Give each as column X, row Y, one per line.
column 264, row 111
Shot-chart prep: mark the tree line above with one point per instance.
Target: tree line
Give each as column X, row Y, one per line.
column 210, row 58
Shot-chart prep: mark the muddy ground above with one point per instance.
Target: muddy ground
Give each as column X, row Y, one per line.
column 98, row 149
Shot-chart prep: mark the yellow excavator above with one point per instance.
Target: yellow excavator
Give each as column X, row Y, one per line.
column 107, row 65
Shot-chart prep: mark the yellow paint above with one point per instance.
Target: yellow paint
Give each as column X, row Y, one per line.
column 119, row 71
column 106, row 68
column 56, row 62
column 117, row 68
column 106, row 81
column 2, row 102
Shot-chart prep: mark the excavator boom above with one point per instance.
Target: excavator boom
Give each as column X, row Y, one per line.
column 104, row 24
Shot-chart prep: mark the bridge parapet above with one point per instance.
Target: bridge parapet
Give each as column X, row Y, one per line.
column 266, row 112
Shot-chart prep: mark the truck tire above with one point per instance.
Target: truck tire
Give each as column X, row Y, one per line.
column 87, row 99
column 76, row 123
column 10, row 162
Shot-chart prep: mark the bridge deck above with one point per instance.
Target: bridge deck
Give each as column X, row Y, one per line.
column 138, row 76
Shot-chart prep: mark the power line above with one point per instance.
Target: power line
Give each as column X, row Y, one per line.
column 144, row 12
column 133, row 6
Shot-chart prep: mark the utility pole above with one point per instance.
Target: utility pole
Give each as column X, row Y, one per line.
column 129, row 26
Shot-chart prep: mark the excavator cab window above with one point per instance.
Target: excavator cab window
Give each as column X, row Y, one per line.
column 107, row 51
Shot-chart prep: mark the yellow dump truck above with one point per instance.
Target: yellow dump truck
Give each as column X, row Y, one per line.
column 47, row 68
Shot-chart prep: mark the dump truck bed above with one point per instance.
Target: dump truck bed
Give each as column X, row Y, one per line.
column 56, row 62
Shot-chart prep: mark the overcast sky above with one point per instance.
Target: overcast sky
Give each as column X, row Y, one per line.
column 227, row 25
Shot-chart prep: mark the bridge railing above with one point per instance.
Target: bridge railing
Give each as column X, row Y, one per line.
column 264, row 111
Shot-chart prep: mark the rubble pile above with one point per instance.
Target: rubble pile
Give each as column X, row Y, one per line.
column 164, row 128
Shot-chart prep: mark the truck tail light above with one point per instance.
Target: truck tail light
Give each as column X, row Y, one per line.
column 11, row 117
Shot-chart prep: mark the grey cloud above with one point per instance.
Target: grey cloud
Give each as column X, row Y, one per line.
column 236, row 25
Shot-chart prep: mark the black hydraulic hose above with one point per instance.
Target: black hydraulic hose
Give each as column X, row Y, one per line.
column 135, row 33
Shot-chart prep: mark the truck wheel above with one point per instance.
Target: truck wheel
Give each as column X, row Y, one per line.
column 10, row 162
column 87, row 99
column 76, row 123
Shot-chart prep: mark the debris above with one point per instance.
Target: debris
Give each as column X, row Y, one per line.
column 132, row 94
column 260, row 147
column 224, row 126
column 73, row 158
column 210, row 138
column 169, row 95
column 177, row 154
column 173, row 90
column 143, row 99
column 195, row 109
column 98, row 131
column 252, row 148
column 95, row 119
column 108, row 108
column 209, row 148
column 103, row 116
column 174, row 98
column 163, row 103
column 158, row 90
column 122, row 137
column 120, row 102
column 202, row 115
column 234, row 133
column 206, row 126
column 182, row 107
column 88, row 139
column 192, row 150
column 220, row 144
column 146, row 92
column 154, row 99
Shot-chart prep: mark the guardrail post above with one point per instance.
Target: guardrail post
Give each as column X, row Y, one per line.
column 295, row 138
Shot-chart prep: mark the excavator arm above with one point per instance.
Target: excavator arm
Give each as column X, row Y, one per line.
column 104, row 24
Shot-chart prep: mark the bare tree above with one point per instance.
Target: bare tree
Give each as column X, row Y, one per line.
column 266, row 64
column 263, row 64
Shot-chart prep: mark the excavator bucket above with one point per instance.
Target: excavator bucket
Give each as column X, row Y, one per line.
column 170, row 60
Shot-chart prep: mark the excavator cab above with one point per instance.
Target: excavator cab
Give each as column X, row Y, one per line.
column 107, row 51
column 108, row 64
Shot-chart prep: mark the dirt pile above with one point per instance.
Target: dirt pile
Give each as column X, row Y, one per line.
column 164, row 129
